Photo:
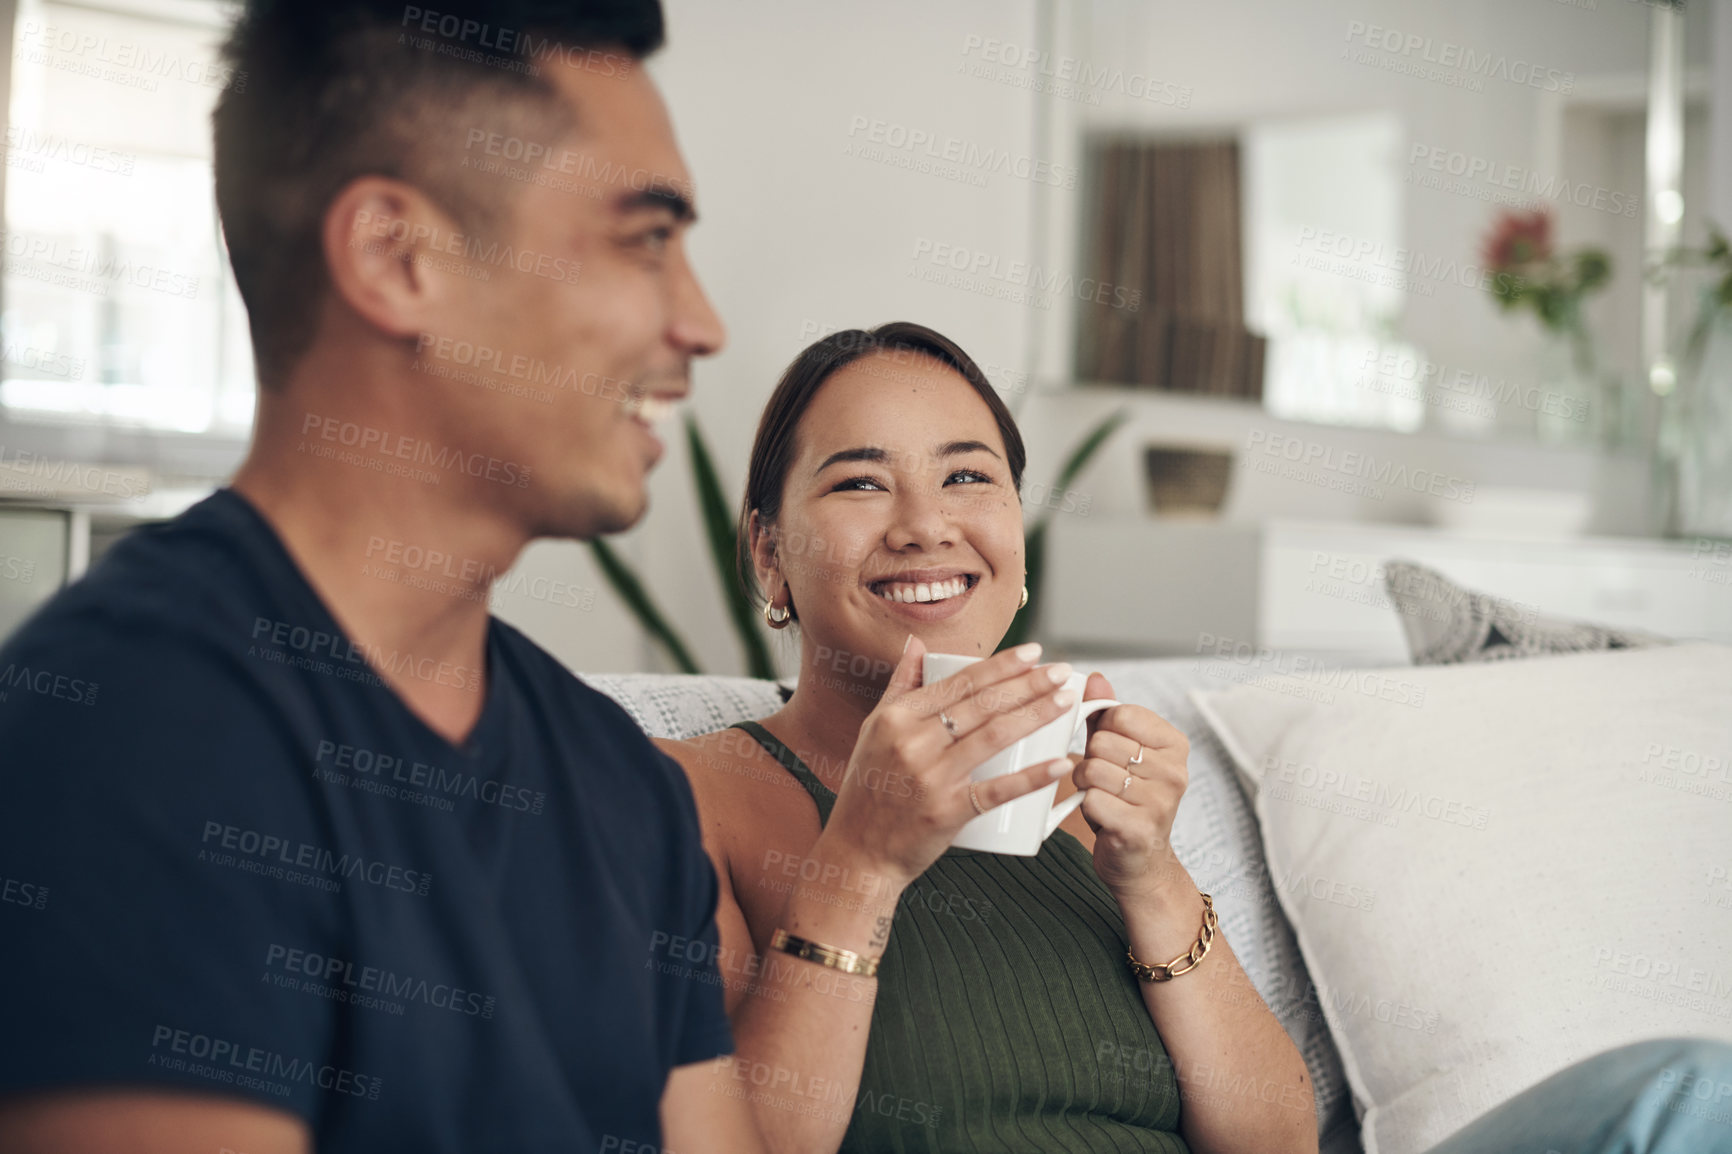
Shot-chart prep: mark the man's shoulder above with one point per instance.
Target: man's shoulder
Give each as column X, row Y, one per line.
column 607, row 732
column 195, row 574
column 157, row 634
column 557, row 689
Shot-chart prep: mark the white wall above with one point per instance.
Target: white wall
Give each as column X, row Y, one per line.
column 796, row 234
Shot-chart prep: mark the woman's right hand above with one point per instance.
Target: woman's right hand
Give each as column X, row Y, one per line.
column 904, row 796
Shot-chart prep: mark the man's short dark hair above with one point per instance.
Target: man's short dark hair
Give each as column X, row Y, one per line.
column 323, row 92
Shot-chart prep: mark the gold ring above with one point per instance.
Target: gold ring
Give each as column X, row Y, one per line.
column 1127, row 783
column 1138, row 759
column 974, row 801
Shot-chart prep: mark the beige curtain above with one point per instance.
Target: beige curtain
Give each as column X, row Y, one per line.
column 1165, row 221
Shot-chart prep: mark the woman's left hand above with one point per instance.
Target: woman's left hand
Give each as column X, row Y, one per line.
column 1131, row 803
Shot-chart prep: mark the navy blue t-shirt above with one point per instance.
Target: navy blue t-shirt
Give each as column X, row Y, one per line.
column 233, row 861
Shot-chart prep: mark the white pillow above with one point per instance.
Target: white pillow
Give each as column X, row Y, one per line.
column 1522, row 866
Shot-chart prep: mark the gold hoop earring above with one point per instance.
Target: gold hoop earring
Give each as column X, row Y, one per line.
column 772, row 619
column 1023, row 604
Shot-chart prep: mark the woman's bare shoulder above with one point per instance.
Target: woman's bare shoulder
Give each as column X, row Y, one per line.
column 727, row 767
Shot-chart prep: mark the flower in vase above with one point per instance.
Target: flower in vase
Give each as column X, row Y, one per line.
column 1529, row 273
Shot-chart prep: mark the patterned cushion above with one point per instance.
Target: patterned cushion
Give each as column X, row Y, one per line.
column 677, row 705
column 1447, row 624
column 1215, row 835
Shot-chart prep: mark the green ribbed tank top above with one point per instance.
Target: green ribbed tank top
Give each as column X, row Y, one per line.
column 1006, row 1021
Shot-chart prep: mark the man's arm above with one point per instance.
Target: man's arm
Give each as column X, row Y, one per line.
column 696, row 1119
column 147, row 1122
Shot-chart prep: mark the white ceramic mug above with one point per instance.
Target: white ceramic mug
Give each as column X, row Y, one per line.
column 1019, row 827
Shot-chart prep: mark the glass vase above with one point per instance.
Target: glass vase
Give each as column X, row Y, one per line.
column 1702, row 433
column 1576, row 402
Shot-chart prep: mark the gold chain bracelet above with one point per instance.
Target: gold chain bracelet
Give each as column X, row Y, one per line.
column 847, row 961
column 1184, row 963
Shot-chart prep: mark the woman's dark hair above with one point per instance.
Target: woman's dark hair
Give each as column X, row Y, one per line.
column 773, row 448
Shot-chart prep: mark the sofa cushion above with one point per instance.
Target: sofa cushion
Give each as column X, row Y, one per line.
column 1448, row 624
column 1515, row 867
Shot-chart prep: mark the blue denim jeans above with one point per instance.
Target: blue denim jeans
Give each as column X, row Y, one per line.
column 1672, row 1096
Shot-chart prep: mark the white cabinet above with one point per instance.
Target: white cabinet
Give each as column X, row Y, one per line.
column 1148, row 586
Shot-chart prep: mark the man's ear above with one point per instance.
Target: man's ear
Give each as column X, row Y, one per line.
column 379, row 235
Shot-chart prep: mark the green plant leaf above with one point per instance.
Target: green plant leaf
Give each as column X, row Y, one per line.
column 722, row 533
column 1085, row 451
column 1034, row 541
column 637, row 599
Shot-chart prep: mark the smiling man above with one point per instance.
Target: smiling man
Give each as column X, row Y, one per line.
column 333, row 859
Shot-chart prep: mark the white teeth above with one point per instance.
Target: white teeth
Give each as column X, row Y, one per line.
column 909, row 593
column 652, row 409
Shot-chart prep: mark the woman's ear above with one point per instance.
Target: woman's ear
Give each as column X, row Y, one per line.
column 765, row 565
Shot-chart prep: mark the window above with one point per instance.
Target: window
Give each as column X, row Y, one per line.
column 119, row 309
column 1314, row 188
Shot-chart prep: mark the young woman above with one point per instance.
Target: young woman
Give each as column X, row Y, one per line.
column 889, row 993
column 882, row 514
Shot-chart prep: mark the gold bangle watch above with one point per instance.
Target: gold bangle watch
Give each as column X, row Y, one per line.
column 1184, row 963
column 850, row 962
column 847, row 961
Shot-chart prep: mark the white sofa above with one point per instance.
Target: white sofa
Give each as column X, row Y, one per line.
column 1447, row 882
